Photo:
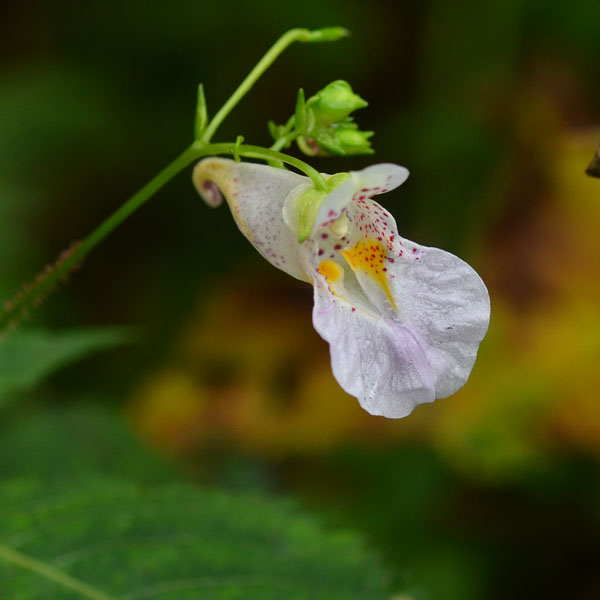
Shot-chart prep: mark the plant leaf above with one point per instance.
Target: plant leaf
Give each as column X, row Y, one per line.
column 29, row 355
column 70, row 442
column 126, row 542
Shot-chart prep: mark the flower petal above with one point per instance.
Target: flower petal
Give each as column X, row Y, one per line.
column 379, row 361
column 404, row 321
column 370, row 247
column 446, row 302
column 431, row 307
column 367, row 183
column 436, row 295
column 255, row 193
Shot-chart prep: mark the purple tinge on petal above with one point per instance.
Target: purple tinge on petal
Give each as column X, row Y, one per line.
column 386, row 367
column 411, row 347
column 210, row 193
column 381, row 362
column 403, row 379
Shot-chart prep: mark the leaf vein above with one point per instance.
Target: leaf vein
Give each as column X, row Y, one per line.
column 45, row 570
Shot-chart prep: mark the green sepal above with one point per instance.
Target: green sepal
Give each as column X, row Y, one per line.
column 275, row 130
column 201, row 114
column 344, row 140
column 308, row 211
column 300, row 112
column 310, row 201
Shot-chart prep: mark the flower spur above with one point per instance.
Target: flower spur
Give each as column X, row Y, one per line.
column 403, row 321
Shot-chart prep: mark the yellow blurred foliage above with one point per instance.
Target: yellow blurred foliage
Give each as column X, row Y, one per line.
column 534, row 389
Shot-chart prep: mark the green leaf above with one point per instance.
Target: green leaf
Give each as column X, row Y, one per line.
column 29, row 355
column 68, row 442
column 110, row 540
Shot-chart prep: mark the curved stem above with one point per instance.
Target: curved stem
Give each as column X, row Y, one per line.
column 284, row 140
column 265, row 62
column 46, row 281
column 182, row 161
column 258, row 152
column 33, row 293
column 268, row 154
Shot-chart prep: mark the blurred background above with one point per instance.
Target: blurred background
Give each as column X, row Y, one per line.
column 495, row 109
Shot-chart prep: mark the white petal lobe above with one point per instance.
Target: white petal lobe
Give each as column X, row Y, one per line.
column 377, row 179
column 380, row 362
column 445, row 300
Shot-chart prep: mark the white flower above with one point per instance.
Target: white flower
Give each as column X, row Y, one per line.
column 403, row 321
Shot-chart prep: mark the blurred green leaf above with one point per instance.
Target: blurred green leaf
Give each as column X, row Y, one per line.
column 45, row 109
column 128, row 542
column 70, row 442
column 29, row 355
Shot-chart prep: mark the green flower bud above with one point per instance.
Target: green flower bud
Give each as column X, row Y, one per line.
column 327, row 34
column 342, row 140
column 309, row 146
column 353, row 141
column 333, row 104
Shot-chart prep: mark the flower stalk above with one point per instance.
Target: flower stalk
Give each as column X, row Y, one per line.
column 32, row 294
column 329, row 34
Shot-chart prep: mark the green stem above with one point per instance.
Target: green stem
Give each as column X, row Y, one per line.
column 46, row 281
column 139, row 198
column 269, row 154
column 32, row 294
column 288, row 38
column 284, row 140
column 49, row 572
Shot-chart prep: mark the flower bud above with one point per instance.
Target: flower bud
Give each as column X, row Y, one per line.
column 333, row 103
column 327, row 34
column 339, row 140
column 353, row 141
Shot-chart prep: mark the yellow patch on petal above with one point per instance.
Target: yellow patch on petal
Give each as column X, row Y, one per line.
column 330, row 270
column 368, row 256
column 333, row 273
